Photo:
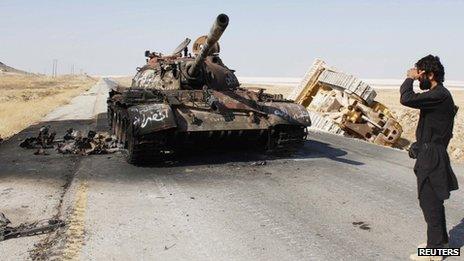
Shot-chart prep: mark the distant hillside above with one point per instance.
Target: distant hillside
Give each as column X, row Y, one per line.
column 8, row 69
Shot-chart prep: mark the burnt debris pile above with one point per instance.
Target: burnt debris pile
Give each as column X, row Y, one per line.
column 27, row 229
column 73, row 142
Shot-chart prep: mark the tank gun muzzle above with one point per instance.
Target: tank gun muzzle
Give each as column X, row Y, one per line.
column 219, row 26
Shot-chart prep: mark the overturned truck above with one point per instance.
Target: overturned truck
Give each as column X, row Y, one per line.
column 342, row 104
column 181, row 101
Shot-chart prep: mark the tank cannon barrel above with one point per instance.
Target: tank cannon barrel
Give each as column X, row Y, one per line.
column 219, row 26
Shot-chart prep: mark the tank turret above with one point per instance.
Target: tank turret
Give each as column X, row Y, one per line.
column 219, row 26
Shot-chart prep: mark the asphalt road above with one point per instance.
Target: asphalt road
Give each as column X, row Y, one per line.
column 336, row 199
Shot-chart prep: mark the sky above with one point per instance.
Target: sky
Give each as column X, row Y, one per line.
column 370, row 39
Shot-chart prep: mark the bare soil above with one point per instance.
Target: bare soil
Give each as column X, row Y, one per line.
column 26, row 99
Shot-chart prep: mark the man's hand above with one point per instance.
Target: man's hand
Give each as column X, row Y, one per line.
column 413, row 150
column 414, row 73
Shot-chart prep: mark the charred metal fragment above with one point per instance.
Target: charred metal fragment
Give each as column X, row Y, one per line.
column 73, row 142
column 27, row 229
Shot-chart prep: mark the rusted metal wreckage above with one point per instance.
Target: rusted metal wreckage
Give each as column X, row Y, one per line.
column 27, row 229
column 184, row 101
column 73, row 142
column 342, row 104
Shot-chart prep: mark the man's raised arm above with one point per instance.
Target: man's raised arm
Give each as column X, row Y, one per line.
column 411, row 99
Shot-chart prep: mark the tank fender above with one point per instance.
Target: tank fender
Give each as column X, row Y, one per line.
column 149, row 118
column 287, row 113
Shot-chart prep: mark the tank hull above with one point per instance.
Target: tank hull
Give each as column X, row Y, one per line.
column 205, row 120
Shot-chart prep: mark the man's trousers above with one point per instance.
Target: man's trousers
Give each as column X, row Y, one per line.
column 434, row 214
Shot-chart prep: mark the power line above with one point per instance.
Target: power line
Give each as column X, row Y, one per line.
column 55, row 68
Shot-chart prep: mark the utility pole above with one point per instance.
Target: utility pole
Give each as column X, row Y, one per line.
column 55, row 68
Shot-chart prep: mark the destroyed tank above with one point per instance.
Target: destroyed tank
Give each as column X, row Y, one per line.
column 181, row 101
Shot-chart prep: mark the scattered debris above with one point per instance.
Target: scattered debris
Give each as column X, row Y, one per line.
column 41, row 151
column 94, row 143
column 168, row 247
column 362, row 225
column 73, row 142
column 30, row 229
column 6, row 191
column 43, row 141
column 342, row 104
column 259, row 163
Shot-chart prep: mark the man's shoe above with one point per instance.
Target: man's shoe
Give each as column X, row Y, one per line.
column 415, row 257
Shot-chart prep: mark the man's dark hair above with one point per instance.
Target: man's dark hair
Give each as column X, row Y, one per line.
column 432, row 64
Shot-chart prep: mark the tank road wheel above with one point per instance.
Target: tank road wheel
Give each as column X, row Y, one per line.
column 117, row 131
column 124, row 133
column 113, row 124
column 109, row 116
column 286, row 139
column 120, row 134
column 271, row 140
column 132, row 153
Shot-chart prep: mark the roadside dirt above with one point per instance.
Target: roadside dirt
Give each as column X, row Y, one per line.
column 25, row 99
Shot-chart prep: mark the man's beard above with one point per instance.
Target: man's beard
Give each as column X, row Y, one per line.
column 425, row 84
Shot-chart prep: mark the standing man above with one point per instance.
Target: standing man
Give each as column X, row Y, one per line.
column 435, row 178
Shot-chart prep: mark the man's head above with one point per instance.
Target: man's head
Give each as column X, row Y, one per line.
column 433, row 71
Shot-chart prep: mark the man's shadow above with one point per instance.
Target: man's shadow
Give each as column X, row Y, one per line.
column 456, row 235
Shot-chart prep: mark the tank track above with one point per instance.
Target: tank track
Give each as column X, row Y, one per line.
column 279, row 139
column 143, row 154
column 286, row 139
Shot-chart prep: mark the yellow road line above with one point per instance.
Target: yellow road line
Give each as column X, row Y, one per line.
column 75, row 233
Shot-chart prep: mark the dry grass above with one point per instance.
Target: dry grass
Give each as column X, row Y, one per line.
column 124, row 81
column 25, row 100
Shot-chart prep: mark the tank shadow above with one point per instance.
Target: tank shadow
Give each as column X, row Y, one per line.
column 311, row 149
column 318, row 149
